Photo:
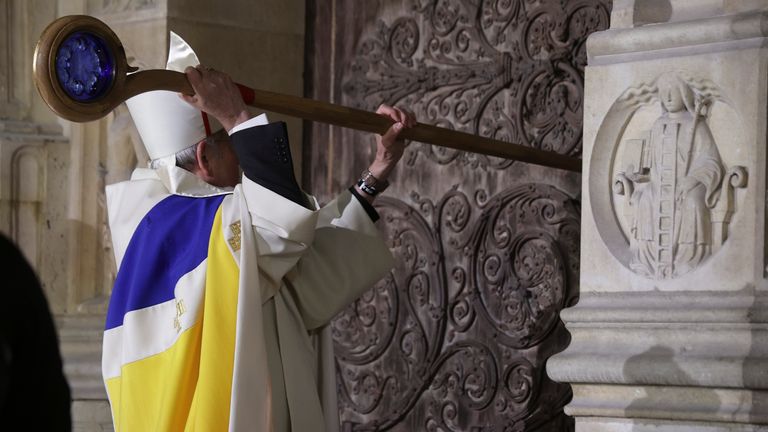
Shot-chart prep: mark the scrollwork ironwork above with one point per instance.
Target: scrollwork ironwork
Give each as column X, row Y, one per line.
column 508, row 69
column 513, row 276
column 456, row 337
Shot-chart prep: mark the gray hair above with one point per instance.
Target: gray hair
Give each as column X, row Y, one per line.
column 187, row 158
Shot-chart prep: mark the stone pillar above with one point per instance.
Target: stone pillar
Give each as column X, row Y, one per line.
column 671, row 329
column 33, row 153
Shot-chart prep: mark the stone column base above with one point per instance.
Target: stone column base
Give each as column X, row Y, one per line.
column 666, row 361
column 587, row 424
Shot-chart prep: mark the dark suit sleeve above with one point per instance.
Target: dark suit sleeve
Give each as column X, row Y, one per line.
column 265, row 157
column 372, row 213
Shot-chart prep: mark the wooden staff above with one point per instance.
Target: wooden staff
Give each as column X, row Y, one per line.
column 82, row 73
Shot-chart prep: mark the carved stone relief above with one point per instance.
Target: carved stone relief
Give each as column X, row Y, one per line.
column 673, row 192
column 456, row 337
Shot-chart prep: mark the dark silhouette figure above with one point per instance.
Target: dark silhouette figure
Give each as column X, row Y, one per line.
column 34, row 394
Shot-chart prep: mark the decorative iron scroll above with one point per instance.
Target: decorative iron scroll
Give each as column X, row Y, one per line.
column 508, row 69
column 416, row 344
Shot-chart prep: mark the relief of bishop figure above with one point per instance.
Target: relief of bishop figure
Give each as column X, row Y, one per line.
column 675, row 188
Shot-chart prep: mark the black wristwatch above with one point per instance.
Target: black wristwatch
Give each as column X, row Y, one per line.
column 369, row 184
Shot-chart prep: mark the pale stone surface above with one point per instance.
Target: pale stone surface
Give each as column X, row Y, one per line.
column 261, row 44
column 80, row 338
column 623, row 425
column 271, row 17
column 33, row 159
column 670, row 331
column 679, row 403
column 634, row 13
column 91, row 416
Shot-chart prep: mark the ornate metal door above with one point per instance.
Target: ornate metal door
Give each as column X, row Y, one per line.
column 456, row 337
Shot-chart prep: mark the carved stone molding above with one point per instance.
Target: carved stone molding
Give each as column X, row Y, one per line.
column 27, row 195
column 691, row 356
column 6, row 72
column 15, row 76
column 116, row 6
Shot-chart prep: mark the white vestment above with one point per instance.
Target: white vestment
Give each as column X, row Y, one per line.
column 297, row 269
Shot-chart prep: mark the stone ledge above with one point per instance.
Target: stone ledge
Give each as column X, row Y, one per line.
column 23, row 130
column 597, row 424
column 666, row 39
column 671, row 403
column 747, row 306
column 675, row 355
column 91, row 416
column 80, row 340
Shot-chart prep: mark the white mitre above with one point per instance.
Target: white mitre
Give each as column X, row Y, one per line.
column 166, row 123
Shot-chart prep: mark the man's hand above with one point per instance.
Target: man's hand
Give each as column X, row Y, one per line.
column 217, row 95
column 389, row 148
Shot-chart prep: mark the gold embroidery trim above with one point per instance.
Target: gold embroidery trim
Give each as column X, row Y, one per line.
column 180, row 309
column 234, row 241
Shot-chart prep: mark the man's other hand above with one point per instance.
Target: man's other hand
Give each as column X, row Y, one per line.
column 217, row 95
